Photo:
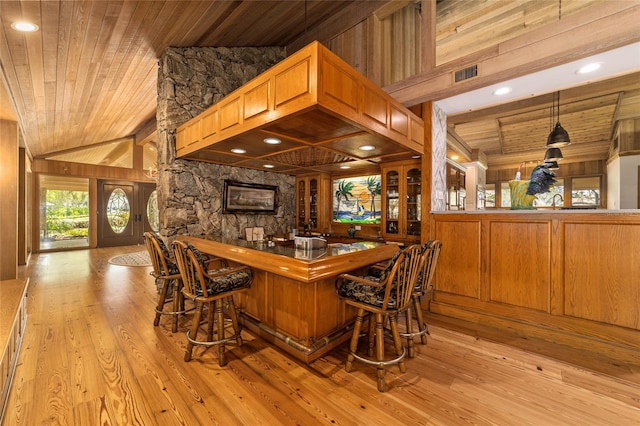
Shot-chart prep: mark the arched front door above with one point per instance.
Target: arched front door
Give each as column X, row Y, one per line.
column 125, row 211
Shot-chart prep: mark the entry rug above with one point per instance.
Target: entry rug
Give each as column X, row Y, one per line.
column 140, row 258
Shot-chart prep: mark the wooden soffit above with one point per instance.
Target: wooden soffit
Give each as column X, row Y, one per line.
column 321, row 109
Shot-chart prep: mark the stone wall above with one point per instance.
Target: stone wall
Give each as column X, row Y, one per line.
column 190, row 192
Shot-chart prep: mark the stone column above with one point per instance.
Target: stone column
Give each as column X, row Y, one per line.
column 190, row 192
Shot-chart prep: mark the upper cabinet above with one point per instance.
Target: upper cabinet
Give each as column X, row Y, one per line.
column 402, row 201
column 322, row 111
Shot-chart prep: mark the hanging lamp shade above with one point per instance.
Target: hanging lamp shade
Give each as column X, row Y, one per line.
column 551, row 165
column 553, row 154
column 558, row 137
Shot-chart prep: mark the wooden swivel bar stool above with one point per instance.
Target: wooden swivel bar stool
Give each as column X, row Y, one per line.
column 381, row 297
column 215, row 289
column 168, row 279
column 424, row 286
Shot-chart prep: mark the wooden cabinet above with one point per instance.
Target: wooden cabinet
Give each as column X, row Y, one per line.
column 402, row 198
column 13, row 320
column 312, row 203
column 456, row 187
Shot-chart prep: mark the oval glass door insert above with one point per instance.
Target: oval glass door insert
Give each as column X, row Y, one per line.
column 118, row 210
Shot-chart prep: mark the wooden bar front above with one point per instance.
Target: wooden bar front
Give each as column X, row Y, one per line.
column 292, row 302
column 569, row 277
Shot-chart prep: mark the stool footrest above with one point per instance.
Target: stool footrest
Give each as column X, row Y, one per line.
column 377, row 363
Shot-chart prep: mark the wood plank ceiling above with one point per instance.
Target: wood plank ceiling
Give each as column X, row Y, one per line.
column 511, row 133
column 88, row 76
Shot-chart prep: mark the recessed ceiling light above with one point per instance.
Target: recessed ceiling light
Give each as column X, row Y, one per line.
column 589, row 68
column 238, row 151
column 502, row 91
column 415, row 157
column 269, row 166
column 454, row 157
column 272, row 141
column 367, row 147
column 345, row 167
column 26, row 27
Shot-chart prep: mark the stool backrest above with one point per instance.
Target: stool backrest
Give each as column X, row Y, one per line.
column 190, row 270
column 431, row 253
column 159, row 257
column 402, row 278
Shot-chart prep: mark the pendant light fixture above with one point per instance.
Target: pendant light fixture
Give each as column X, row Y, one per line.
column 551, row 165
column 558, row 136
column 553, row 154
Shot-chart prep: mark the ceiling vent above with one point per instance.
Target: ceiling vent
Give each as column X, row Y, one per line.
column 465, row 74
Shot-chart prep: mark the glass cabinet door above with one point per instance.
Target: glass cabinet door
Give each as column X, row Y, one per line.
column 413, row 213
column 313, row 203
column 392, row 200
column 302, row 189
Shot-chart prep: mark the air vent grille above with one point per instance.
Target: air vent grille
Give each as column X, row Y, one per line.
column 466, row 73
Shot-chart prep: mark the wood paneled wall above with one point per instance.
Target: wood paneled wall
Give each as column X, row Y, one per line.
column 9, row 196
column 560, row 273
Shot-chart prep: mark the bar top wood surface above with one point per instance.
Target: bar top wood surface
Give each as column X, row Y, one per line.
column 296, row 264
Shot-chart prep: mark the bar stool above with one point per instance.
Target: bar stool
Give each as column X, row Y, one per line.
column 168, row 280
column 380, row 298
column 424, row 286
column 215, row 289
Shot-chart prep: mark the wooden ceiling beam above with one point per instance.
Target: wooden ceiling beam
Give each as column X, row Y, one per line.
column 596, row 29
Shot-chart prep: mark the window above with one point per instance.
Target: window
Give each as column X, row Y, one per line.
column 546, row 198
column 505, row 195
column 64, row 212
column 585, row 191
column 490, row 196
column 542, row 200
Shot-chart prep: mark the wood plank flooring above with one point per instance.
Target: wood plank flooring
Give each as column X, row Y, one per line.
column 92, row 356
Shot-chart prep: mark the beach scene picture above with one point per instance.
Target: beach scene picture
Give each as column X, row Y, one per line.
column 357, row 199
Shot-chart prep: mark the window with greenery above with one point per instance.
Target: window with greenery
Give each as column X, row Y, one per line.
column 585, row 191
column 505, row 195
column 490, row 196
column 545, row 199
column 64, row 212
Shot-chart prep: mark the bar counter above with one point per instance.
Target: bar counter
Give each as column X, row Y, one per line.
column 292, row 301
column 570, row 276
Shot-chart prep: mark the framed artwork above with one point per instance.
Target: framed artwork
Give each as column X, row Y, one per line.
column 249, row 198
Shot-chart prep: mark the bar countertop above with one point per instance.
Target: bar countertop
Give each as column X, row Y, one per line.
column 303, row 265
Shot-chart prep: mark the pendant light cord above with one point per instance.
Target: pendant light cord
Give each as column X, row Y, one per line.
column 559, row 10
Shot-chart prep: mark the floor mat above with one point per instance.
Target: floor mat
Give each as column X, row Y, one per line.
column 140, row 258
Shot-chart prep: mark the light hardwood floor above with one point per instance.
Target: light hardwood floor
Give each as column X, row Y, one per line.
column 92, row 356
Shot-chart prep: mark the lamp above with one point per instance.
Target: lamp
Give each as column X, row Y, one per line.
column 553, row 154
column 551, row 165
column 558, row 136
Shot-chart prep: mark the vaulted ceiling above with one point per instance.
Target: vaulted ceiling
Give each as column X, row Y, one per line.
column 88, row 76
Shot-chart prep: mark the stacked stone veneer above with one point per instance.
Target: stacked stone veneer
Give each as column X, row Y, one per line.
column 190, row 192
